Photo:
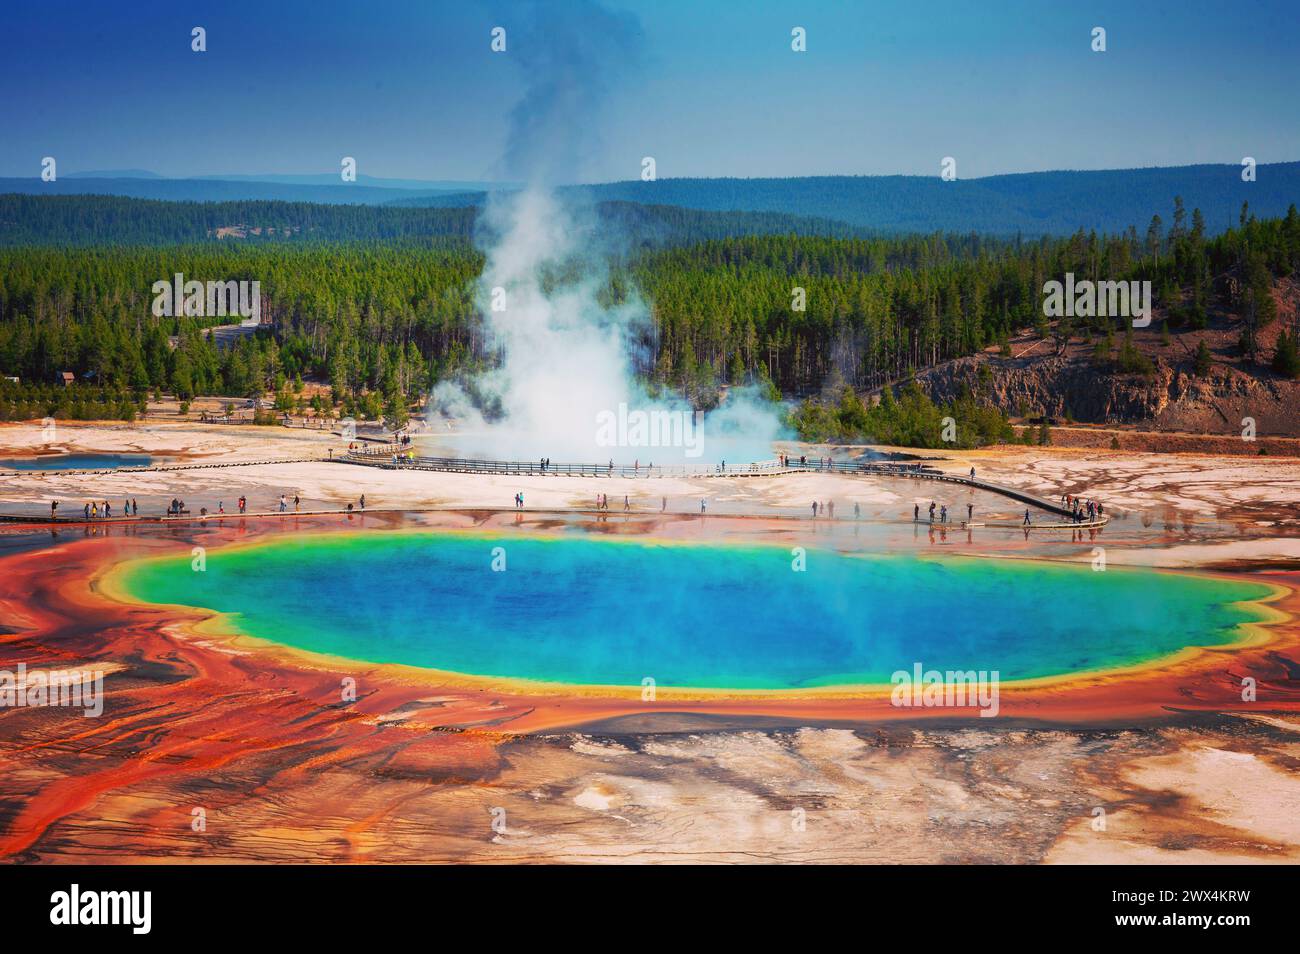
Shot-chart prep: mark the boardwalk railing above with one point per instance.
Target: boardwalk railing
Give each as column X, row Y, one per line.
column 407, row 460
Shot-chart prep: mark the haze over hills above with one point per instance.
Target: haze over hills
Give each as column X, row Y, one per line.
column 80, row 220
column 220, row 190
column 114, row 174
column 1030, row 204
column 332, row 179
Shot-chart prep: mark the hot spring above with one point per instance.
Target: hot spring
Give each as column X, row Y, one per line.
column 76, row 462
column 590, row 611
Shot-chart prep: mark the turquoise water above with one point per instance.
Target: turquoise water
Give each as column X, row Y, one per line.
column 591, row 611
column 76, row 462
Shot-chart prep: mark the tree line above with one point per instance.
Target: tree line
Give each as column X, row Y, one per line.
column 383, row 321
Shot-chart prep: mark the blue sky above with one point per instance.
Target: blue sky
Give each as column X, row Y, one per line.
column 412, row 90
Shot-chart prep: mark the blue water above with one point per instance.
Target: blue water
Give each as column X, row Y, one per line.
column 76, row 462
column 593, row 611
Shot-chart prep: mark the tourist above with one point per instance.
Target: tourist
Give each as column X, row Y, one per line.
column 663, row 506
column 86, row 510
column 943, row 514
column 243, row 503
column 363, row 501
column 857, row 511
column 970, row 512
column 702, row 506
column 932, row 511
column 54, row 509
column 916, row 513
column 830, row 509
column 135, row 508
column 108, row 510
column 295, row 503
column 814, row 508
column 627, row 505
column 1026, row 518
column 284, row 504
column 221, row 506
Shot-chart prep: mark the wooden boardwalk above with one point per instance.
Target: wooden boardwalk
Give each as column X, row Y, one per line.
column 396, row 460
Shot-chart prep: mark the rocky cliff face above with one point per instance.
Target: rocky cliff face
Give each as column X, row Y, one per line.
column 1065, row 386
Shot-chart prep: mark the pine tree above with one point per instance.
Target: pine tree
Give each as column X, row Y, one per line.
column 1201, row 363
column 1286, row 360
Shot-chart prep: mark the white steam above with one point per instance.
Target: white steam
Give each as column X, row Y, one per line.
column 566, row 356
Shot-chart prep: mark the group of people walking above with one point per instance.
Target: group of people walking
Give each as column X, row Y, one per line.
column 1082, row 510
column 96, row 510
column 943, row 512
column 821, row 463
column 103, row 509
column 827, row 510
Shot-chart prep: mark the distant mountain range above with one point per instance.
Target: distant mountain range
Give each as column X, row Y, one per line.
column 324, row 189
column 1030, row 204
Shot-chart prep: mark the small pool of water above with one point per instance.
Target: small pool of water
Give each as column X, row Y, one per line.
column 76, row 462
